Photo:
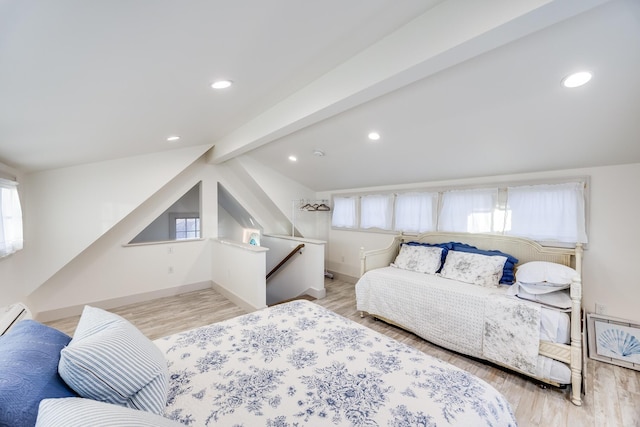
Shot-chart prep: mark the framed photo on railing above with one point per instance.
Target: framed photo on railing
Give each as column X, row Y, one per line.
column 614, row 341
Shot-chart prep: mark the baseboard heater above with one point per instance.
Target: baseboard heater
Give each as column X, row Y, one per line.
column 11, row 314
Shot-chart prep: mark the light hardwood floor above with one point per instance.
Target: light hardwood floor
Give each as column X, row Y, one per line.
column 612, row 393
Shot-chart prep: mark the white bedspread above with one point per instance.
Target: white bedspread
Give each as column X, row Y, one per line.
column 455, row 315
column 298, row 364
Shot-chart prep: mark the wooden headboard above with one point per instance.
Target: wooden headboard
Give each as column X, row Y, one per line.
column 524, row 249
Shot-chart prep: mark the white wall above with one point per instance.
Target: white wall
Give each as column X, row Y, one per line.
column 302, row 274
column 238, row 271
column 66, row 210
column 609, row 276
column 110, row 273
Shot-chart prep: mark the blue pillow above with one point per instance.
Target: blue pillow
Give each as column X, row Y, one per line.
column 508, row 276
column 446, row 247
column 29, row 355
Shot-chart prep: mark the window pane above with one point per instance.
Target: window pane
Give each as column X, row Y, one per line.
column 468, row 211
column 553, row 212
column 375, row 212
column 10, row 218
column 414, row 212
column 344, row 212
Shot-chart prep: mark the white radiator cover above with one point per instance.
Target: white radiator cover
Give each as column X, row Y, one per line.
column 11, row 314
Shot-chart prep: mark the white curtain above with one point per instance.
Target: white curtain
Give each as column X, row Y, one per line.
column 468, row 210
column 344, row 212
column 414, row 212
column 554, row 212
column 10, row 218
column 376, row 211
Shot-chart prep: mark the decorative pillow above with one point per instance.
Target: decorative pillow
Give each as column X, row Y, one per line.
column 473, row 268
column 543, row 271
column 110, row 360
column 507, row 272
column 78, row 412
column 421, row 259
column 29, row 355
column 446, row 247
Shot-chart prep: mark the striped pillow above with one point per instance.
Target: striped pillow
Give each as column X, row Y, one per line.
column 78, row 412
column 110, row 360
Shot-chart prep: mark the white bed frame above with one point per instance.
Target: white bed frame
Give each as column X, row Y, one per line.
column 525, row 250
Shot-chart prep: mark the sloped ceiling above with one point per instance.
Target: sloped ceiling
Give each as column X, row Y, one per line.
column 456, row 88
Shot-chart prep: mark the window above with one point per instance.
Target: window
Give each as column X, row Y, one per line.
column 10, row 218
column 548, row 212
column 542, row 212
column 414, row 212
column 344, row 212
column 185, row 227
column 469, row 211
column 376, row 211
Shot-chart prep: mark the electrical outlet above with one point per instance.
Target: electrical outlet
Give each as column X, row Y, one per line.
column 170, row 250
column 342, row 258
column 170, row 269
column 601, row 308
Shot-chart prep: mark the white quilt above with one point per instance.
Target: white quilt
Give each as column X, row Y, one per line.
column 466, row 318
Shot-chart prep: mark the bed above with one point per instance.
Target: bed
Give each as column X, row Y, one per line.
column 294, row 364
column 488, row 323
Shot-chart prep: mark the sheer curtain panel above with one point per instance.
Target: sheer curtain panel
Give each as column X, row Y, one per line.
column 414, row 212
column 344, row 212
column 468, row 210
column 554, row 212
column 376, row 211
column 10, row 218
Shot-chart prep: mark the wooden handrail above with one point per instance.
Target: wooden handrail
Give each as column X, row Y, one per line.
column 285, row 259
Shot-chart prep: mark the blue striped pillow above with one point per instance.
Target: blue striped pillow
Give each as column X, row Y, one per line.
column 110, row 360
column 78, row 412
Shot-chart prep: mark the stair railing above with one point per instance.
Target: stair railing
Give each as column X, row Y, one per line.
column 285, row 259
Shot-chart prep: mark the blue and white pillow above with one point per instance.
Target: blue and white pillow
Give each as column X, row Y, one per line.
column 473, row 268
column 110, row 360
column 421, row 259
column 78, row 412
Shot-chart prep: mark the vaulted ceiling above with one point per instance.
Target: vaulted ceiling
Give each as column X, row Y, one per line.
column 455, row 88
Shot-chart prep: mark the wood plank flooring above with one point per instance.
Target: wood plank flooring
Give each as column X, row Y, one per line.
column 612, row 393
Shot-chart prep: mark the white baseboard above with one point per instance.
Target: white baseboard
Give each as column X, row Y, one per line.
column 316, row 293
column 344, row 277
column 237, row 300
column 76, row 310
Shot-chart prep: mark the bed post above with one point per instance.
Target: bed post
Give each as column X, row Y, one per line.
column 576, row 331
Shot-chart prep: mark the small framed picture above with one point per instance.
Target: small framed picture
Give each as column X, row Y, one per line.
column 614, row 341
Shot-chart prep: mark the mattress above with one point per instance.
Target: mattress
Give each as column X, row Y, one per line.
column 452, row 314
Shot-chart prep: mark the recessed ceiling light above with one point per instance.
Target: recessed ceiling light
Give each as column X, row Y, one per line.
column 221, row 84
column 293, row 158
column 576, row 79
column 374, row 136
column 173, row 138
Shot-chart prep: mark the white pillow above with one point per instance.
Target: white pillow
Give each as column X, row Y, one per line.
column 423, row 259
column 78, row 412
column 110, row 360
column 543, row 271
column 558, row 299
column 473, row 268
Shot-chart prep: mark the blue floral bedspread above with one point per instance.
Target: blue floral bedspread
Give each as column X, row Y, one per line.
column 298, row 364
